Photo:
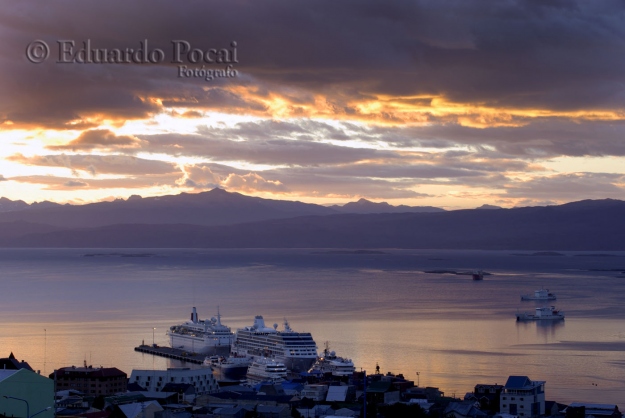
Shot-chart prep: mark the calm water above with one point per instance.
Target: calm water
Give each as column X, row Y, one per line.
column 59, row 308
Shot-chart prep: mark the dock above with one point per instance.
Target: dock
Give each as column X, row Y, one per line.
column 173, row 353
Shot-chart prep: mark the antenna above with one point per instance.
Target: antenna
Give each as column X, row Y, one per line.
column 45, row 346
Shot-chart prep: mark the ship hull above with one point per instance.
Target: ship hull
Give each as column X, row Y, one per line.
column 233, row 372
column 198, row 345
column 296, row 364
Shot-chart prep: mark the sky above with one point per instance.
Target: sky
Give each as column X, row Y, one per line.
column 442, row 103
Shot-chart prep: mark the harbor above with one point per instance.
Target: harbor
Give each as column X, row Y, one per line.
column 172, row 353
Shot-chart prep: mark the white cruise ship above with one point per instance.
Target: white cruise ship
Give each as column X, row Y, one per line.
column 296, row 350
column 202, row 336
column 266, row 370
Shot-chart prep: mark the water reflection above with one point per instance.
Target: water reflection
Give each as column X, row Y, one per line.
column 548, row 328
column 544, row 329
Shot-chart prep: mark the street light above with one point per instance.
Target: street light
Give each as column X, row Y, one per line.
column 43, row 410
column 418, row 373
column 20, row 399
column 27, row 406
column 153, row 329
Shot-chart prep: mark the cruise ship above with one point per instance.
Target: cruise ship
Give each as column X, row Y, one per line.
column 266, row 370
column 331, row 363
column 296, row 350
column 202, row 336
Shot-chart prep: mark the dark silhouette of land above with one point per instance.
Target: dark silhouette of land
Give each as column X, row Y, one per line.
column 218, row 219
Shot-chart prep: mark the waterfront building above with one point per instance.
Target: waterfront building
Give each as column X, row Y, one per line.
column 26, row 393
column 155, row 380
column 91, row 380
column 523, row 397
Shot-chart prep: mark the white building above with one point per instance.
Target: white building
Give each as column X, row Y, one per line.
column 317, row 393
column 522, row 397
column 154, row 380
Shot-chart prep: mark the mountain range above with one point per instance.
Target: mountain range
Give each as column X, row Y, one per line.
column 219, row 219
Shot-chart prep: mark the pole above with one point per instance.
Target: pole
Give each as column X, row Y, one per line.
column 365, row 394
column 153, row 329
column 418, row 379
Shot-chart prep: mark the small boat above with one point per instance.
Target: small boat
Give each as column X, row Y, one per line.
column 544, row 313
column 477, row 275
column 542, row 294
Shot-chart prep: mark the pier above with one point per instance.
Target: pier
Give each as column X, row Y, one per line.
column 173, row 353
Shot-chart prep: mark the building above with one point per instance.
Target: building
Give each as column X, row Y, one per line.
column 155, row 380
column 466, row 409
column 26, row 393
column 593, row 410
column 316, row 393
column 91, row 380
column 523, row 397
column 487, row 395
column 382, row 392
column 11, row 363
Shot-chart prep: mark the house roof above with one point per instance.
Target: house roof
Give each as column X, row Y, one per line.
column 132, row 410
column 11, row 363
column 5, row 374
column 521, row 382
column 595, row 408
column 89, row 371
column 466, row 409
column 337, row 393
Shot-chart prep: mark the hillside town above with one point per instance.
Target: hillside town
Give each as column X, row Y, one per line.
column 185, row 392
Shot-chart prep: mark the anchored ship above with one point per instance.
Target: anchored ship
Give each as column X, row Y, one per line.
column 330, row 363
column 545, row 313
column 542, row 294
column 204, row 336
column 296, row 350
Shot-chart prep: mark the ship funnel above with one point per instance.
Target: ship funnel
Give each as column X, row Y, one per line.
column 259, row 322
column 194, row 316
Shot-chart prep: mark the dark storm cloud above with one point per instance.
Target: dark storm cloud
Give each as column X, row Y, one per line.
column 544, row 138
column 514, row 54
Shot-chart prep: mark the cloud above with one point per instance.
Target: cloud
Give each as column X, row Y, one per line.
column 253, row 182
column 569, row 187
column 133, row 182
column 459, row 62
column 101, row 139
column 99, row 164
column 199, row 177
column 75, row 183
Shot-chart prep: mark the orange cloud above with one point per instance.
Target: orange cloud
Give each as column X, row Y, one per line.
column 102, row 139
